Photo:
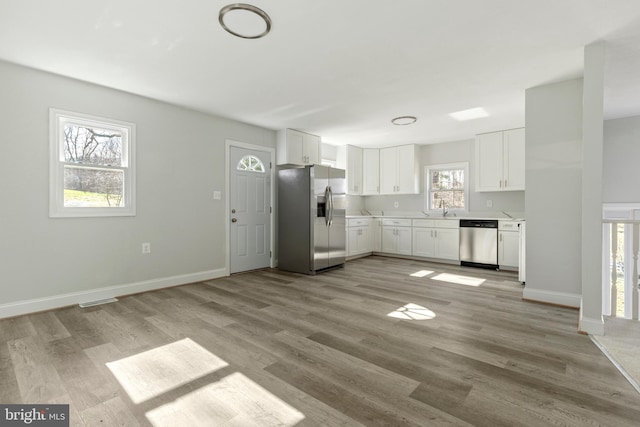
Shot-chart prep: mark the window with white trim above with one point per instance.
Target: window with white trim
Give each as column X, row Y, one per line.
column 447, row 187
column 91, row 166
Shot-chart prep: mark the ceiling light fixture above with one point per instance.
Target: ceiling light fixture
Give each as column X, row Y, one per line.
column 470, row 114
column 235, row 20
column 404, row 120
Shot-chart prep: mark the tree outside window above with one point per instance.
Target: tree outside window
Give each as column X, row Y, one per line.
column 447, row 187
column 91, row 166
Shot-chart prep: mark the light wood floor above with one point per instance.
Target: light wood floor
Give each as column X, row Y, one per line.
column 274, row 348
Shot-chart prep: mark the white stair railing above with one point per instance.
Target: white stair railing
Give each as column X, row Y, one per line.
column 627, row 248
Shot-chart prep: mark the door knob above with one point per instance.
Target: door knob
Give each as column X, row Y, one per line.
column 233, row 211
column 234, row 220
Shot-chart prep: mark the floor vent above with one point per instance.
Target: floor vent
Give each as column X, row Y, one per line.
column 99, row 302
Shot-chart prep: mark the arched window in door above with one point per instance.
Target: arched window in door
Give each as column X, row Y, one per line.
column 251, row 163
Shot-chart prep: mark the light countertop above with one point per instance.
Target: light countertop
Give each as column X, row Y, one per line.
column 508, row 216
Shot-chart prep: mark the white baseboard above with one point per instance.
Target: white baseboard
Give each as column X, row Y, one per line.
column 40, row 304
column 552, row 297
column 590, row 325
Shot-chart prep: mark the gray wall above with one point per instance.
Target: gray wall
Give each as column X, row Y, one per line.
column 180, row 161
column 621, row 154
column 450, row 152
column 553, row 199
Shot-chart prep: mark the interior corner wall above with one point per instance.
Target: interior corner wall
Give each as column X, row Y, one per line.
column 553, row 200
column 180, row 156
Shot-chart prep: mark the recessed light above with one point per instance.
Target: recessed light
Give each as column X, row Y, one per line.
column 404, row 120
column 472, row 113
column 244, row 20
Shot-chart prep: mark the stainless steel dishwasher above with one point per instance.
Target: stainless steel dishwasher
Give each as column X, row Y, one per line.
column 479, row 243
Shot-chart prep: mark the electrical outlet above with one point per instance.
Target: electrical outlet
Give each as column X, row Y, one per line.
column 146, row 248
column 489, row 203
column 396, row 205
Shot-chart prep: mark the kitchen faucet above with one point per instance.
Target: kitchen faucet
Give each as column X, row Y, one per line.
column 444, row 208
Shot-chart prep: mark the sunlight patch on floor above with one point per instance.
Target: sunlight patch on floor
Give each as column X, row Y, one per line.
column 235, row 400
column 412, row 312
column 421, row 273
column 154, row 372
column 460, row 280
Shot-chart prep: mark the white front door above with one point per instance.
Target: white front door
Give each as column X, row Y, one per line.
column 250, row 209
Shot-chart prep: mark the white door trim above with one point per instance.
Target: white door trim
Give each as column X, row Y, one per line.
column 227, row 218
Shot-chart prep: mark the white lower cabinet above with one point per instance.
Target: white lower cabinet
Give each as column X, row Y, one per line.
column 436, row 239
column 396, row 236
column 358, row 236
column 508, row 244
column 358, row 241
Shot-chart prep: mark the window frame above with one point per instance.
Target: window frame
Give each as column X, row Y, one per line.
column 57, row 120
column 427, row 185
column 251, row 170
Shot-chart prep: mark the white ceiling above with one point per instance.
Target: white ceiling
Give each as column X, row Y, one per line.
column 341, row 69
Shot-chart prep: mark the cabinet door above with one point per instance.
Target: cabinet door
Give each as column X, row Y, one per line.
column 508, row 248
column 364, row 241
column 311, row 149
column 423, row 243
column 407, row 181
column 375, row 237
column 388, row 170
column 403, row 235
column 389, row 240
column 354, row 170
column 448, row 243
column 370, row 171
column 489, row 162
column 513, row 155
column 352, row 240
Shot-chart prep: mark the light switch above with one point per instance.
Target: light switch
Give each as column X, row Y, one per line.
column 217, row 195
column 489, row 203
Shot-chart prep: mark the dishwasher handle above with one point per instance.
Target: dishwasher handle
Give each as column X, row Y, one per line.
column 478, row 223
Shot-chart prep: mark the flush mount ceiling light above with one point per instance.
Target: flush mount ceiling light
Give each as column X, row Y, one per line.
column 473, row 113
column 404, row 120
column 244, row 20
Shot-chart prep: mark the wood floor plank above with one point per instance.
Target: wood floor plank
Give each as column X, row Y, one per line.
column 48, row 326
column 9, row 390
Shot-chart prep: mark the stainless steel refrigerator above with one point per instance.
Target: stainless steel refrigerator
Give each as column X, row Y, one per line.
column 311, row 219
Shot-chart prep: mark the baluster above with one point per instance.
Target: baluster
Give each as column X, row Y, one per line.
column 636, row 240
column 614, row 271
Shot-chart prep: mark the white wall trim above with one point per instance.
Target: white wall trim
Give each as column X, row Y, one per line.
column 591, row 326
column 560, row 298
column 48, row 303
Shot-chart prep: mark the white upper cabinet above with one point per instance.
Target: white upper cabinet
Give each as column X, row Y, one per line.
column 514, row 159
column 354, row 170
column 399, row 170
column 500, row 160
column 297, row 148
column 370, row 171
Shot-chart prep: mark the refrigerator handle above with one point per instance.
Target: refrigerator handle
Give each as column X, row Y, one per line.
column 327, row 205
column 330, row 206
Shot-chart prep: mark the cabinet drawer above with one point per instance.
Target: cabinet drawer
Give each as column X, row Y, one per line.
column 429, row 223
column 397, row 222
column 357, row 222
column 447, row 223
column 508, row 225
